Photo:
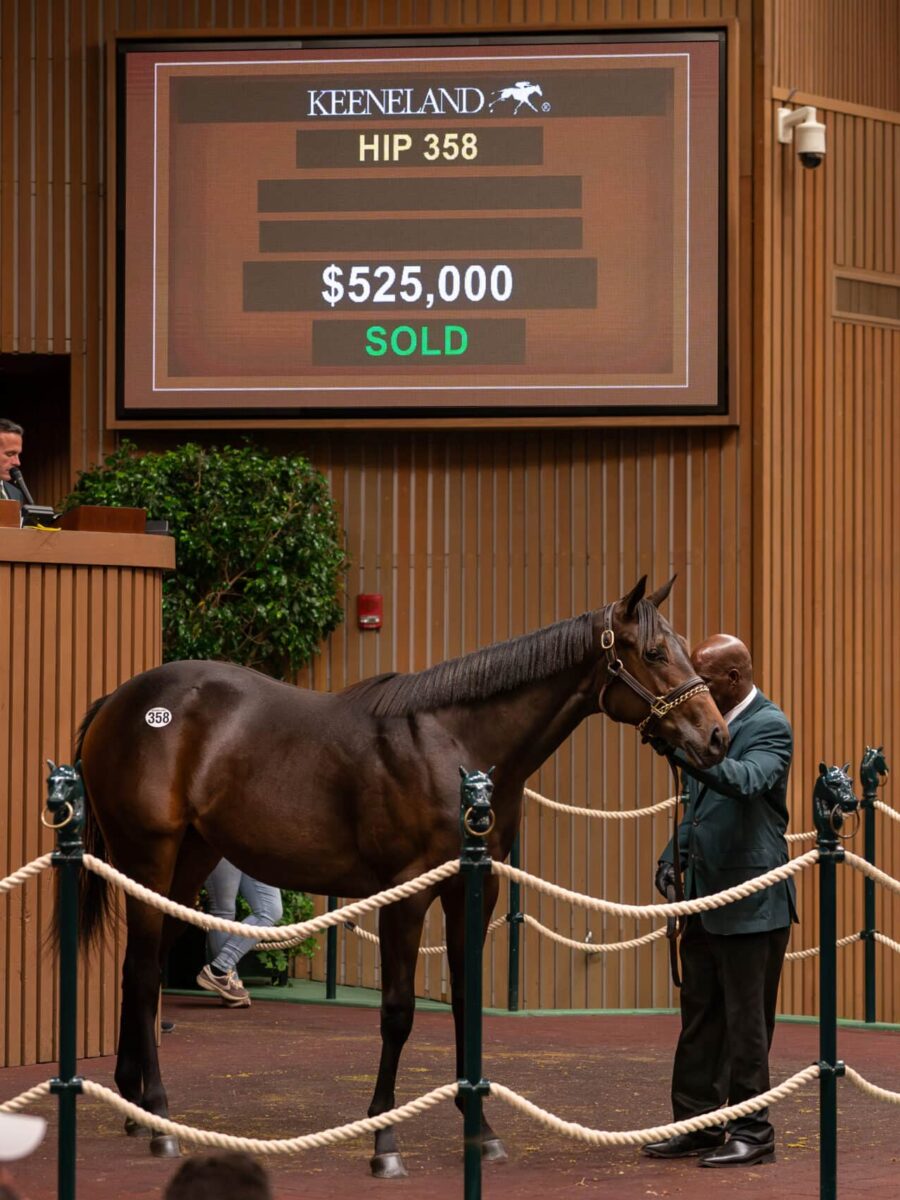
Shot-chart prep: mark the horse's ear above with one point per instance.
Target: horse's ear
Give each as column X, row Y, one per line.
column 462, row 772
column 845, row 768
column 635, row 596
column 661, row 594
column 823, row 770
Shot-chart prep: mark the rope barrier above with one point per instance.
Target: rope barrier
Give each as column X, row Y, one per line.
column 373, row 937
column 594, row 947
column 814, row 950
column 341, row 1133
column 18, row 877
column 309, row 1141
column 886, row 808
column 886, row 941
column 871, row 1089
column 601, row 814
column 800, row 837
column 866, row 868
column 275, row 933
column 681, row 907
column 640, row 1137
column 26, row 1098
column 225, row 1141
column 285, row 936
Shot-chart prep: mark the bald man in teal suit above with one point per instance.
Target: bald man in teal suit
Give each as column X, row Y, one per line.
column 733, row 829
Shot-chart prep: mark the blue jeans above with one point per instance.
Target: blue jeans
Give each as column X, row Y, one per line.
column 225, row 950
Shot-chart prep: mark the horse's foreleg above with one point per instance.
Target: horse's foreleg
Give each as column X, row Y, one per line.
column 453, row 900
column 400, row 931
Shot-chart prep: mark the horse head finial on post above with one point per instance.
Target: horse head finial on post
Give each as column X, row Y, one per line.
column 65, row 806
column 477, row 815
column 833, row 798
column 873, row 771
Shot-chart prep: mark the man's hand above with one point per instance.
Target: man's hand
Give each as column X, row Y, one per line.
column 661, row 746
column 665, row 879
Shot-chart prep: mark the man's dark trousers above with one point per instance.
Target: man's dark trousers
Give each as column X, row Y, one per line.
column 728, row 996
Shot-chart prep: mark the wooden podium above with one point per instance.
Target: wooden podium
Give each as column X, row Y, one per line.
column 80, row 612
column 10, row 514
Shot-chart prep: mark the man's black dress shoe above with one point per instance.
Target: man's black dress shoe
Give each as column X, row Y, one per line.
column 736, row 1153
column 685, row 1145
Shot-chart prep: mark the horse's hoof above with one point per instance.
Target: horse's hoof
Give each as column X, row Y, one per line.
column 164, row 1145
column 493, row 1151
column 388, row 1166
column 135, row 1129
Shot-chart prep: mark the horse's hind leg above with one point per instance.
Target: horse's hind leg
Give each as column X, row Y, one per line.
column 195, row 861
column 137, row 1068
column 453, row 900
column 171, row 867
column 129, row 1069
column 400, row 930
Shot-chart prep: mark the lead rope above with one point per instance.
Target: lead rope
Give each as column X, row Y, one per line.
column 675, row 925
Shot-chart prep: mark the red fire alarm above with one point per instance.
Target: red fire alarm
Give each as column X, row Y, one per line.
column 369, row 610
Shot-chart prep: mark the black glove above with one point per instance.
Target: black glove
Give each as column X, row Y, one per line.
column 665, row 878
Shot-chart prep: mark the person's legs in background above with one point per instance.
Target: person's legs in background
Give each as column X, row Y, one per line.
column 226, row 950
column 222, row 892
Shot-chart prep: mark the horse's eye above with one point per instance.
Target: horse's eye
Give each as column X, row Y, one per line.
column 655, row 654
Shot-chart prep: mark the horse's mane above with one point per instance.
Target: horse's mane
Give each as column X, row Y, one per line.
column 481, row 674
column 494, row 669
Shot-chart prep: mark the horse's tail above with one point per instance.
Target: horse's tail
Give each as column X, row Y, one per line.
column 93, row 892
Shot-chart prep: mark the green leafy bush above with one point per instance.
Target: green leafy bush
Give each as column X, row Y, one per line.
column 260, row 554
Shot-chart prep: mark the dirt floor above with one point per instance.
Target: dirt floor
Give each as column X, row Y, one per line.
column 282, row 1069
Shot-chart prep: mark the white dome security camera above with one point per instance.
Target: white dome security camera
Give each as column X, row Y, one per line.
column 800, row 127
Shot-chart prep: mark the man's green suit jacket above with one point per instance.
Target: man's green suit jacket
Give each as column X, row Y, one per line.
column 735, row 821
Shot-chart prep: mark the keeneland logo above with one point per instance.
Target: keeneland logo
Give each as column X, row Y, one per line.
column 521, row 92
column 414, row 102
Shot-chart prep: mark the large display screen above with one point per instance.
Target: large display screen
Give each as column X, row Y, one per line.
column 358, row 230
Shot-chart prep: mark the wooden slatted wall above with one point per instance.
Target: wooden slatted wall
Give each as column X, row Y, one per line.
column 828, row 503
column 842, row 49
column 473, row 536
column 68, row 634
column 470, row 537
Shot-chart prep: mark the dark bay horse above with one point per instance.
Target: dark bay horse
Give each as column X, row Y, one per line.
column 352, row 792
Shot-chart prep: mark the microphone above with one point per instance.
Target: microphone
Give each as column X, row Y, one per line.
column 16, row 477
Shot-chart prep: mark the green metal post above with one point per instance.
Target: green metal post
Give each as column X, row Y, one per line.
column 515, row 918
column 477, row 820
column 872, row 769
column 331, row 955
column 869, row 906
column 65, row 805
column 829, row 820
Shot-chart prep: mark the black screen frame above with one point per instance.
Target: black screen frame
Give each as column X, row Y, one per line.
column 411, row 415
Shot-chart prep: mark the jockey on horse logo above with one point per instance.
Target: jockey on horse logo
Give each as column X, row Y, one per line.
column 521, row 92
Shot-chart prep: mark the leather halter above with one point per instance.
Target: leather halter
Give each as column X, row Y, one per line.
column 659, row 705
